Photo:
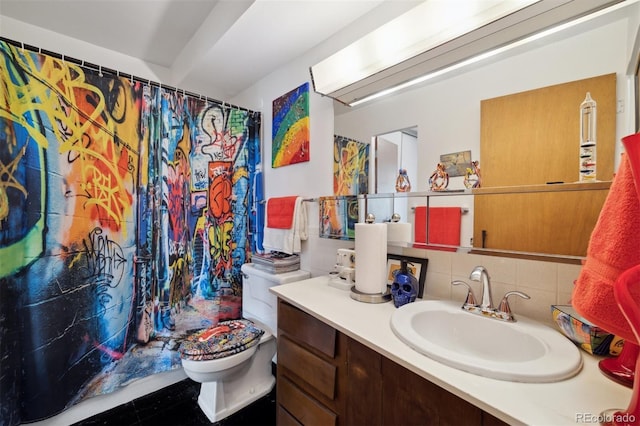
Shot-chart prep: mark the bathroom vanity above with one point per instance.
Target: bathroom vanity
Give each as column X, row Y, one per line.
column 339, row 362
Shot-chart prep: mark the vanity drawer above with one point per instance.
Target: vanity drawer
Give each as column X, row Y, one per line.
column 306, row 329
column 312, row 369
column 285, row 419
column 300, row 408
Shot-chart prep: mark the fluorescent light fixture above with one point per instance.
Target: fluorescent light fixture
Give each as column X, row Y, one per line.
column 484, row 56
column 437, row 37
column 422, row 28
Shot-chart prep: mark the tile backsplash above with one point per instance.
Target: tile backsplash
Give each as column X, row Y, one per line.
column 547, row 283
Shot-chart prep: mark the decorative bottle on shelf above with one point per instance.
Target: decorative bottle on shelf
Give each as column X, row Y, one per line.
column 588, row 114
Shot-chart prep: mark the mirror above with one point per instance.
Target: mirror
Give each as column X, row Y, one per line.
column 394, row 151
column 447, row 112
column 536, row 208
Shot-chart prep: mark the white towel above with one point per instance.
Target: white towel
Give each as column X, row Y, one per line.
column 288, row 240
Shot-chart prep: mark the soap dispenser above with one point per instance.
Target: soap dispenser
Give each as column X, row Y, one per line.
column 405, row 286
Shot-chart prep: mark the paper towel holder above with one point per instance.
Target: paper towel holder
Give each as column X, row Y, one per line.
column 370, row 297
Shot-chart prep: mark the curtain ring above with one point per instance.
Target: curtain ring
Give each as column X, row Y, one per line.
column 100, row 70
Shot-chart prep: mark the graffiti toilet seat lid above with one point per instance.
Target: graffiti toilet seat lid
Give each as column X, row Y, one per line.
column 224, row 339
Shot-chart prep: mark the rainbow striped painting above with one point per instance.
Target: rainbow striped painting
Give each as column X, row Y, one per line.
column 290, row 132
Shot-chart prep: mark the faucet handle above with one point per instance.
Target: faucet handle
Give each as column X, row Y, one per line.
column 504, row 307
column 471, row 299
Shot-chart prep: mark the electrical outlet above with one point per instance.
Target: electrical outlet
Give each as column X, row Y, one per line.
column 620, row 106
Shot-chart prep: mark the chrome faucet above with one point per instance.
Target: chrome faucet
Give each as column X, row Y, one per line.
column 481, row 275
column 485, row 308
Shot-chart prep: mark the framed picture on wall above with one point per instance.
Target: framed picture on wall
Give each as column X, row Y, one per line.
column 417, row 267
column 456, row 163
column 290, row 128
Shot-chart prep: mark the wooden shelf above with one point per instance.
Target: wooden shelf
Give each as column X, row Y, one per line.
column 560, row 187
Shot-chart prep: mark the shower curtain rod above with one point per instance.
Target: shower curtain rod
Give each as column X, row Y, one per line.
column 101, row 69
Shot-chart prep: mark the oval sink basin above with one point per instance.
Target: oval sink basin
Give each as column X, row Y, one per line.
column 521, row 351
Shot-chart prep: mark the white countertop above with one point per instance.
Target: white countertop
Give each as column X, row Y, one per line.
column 577, row 400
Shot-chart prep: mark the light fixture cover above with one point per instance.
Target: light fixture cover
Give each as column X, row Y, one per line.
column 440, row 36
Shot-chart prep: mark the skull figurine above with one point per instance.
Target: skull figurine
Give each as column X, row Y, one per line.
column 405, row 286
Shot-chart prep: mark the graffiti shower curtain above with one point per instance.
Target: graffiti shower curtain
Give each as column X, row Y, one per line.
column 124, row 218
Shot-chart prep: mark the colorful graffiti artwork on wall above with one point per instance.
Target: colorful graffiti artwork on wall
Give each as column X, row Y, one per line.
column 350, row 166
column 124, row 218
column 290, row 131
column 338, row 217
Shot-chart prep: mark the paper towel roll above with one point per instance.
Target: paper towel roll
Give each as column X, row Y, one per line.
column 371, row 258
column 399, row 232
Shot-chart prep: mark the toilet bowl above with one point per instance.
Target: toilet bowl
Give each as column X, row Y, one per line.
column 232, row 382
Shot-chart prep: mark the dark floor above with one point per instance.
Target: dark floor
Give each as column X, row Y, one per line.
column 177, row 405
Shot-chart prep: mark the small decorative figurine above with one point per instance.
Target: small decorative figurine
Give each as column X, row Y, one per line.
column 439, row 180
column 405, row 286
column 469, row 180
column 402, row 181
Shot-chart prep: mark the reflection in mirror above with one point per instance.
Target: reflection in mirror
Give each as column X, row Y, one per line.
column 448, row 226
column 394, row 151
column 398, row 150
column 447, row 111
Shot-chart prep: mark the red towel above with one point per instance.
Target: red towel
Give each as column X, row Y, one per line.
column 280, row 212
column 613, row 248
column 444, row 227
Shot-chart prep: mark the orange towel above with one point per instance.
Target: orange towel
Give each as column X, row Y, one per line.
column 280, row 212
column 613, row 248
column 444, row 227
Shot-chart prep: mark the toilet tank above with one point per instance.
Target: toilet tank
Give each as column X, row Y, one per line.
column 258, row 303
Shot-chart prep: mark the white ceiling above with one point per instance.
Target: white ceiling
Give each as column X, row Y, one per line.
column 227, row 45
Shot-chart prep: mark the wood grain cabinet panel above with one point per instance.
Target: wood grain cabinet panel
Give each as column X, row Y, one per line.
column 317, row 372
column 408, row 399
column 364, row 385
column 557, row 223
column 285, row 419
column 306, row 329
column 300, row 407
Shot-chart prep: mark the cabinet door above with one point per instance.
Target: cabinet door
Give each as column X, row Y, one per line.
column 408, row 399
column 533, row 137
column 364, row 385
column 537, row 222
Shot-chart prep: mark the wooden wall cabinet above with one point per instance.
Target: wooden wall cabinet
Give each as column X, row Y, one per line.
column 531, row 138
column 327, row 378
column 542, row 219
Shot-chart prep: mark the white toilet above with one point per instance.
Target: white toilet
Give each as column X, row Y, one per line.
column 235, row 381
